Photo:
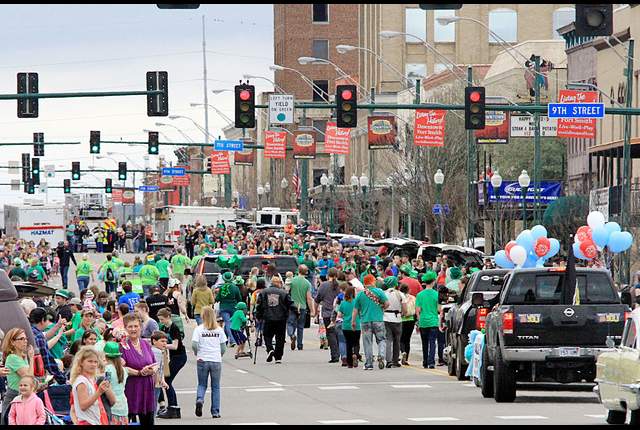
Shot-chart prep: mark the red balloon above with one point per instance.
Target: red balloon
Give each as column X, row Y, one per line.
column 589, row 249
column 542, row 246
column 584, row 233
column 507, row 248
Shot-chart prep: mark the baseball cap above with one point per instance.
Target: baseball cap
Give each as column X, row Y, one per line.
column 64, row 293
column 112, row 350
column 75, row 301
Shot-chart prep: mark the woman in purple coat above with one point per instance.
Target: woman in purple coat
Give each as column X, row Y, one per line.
column 141, row 365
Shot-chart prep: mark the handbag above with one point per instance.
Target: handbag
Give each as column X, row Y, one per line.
column 307, row 319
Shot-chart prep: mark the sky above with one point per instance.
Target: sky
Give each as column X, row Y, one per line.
column 110, row 47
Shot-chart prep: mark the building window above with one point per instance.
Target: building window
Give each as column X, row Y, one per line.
column 416, row 70
column 415, row 23
column 320, row 127
column 320, row 12
column 320, row 91
column 562, row 17
column 320, row 49
column 504, row 23
column 440, row 67
column 444, row 33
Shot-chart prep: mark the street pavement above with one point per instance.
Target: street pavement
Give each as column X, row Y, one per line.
column 305, row 389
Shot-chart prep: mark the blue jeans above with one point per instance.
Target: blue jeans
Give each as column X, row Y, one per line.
column 99, row 247
column 428, row 336
column 296, row 324
column 370, row 329
column 64, row 273
column 226, row 317
column 212, row 370
column 198, row 319
column 175, row 364
column 342, row 342
column 83, row 282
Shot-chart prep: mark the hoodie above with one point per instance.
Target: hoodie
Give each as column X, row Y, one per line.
column 239, row 319
column 27, row 412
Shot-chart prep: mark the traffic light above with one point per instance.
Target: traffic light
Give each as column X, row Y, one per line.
column 107, row 186
column 594, row 19
column 474, row 108
column 75, row 170
column 245, row 106
column 31, row 189
column 153, row 147
column 122, row 170
column 27, row 84
column 38, row 144
column 35, row 170
column 94, row 142
column 158, row 104
column 26, row 167
column 209, row 163
column 67, row 186
column 346, row 106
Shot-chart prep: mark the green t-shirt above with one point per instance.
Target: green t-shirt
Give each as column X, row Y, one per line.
column 229, row 302
column 163, row 268
column 36, row 272
column 310, row 264
column 238, row 319
column 80, row 332
column 58, row 349
column 84, row 268
column 179, row 263
column 149, row 274
column 369, row 311
column 125, row 269
column 427, row 301
column 299, row 288
column 18, row 271
column 194, row 262
column 14, row 363
column 76, row 320
column 106, row 265
column 118, row 262
column 346, row 308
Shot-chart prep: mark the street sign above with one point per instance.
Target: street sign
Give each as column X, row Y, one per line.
column 229, row 145
column 148, row 188
column 50, row 170
column 14, row 167
column 523, row 126
column 173, row 171
column 576, row 110
column 281, row 109
column 438, row 209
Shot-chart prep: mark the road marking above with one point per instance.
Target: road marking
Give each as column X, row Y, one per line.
column 343, row 422
column 340, row 387
column 411, row 386
column 472, row 385
column 255, row 424
column 521, row 417
column 434, row 419
column 596, row 416
column 275, row 383
column 262, row 390
column 241, row 371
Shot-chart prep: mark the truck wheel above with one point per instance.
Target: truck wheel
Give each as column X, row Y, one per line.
column 461, row 367
column 504, row 380
column 486, row 375
column 635, row 418
column 451, row 366
column 617, row 417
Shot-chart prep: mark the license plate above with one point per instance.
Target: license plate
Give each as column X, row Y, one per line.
column 568, row 352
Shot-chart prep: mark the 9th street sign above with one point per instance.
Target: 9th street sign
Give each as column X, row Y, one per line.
column 576, row 110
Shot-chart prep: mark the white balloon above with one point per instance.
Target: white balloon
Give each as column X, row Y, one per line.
column 595, row 219
column 518, row 255
column 575, row 239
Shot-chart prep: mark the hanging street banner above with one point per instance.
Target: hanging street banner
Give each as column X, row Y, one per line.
column 336, row 140
column 281, row 109
column 429, row 127
column 182, row 181
column 275, row 144
column 220, row 163
column 580, row 128
column 116, row 195
column 245, row 157
column 304, row 145
column 496, row 129
column 128, row 197
column 382, row 131
column 510, row 191
column 15, row 184
column 14, row 167
column 523, row 126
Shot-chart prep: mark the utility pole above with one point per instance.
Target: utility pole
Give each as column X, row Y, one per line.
column 625, row 219
column 206, row 109
column 536, row 143
column 470, row 191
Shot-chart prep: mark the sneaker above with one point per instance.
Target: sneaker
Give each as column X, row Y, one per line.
column 278, row 361
column 216, row 416
column 441, row 363
column 293, row 342
column 333, row 360
column 344, row 362
column 389, row 365
column 380, row 363
column 270, row 356
column 431, row 366
column 368, row 367
column 198, row 409
column 396, row 365
column 405, row 359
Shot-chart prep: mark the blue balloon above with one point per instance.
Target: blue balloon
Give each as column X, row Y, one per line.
column 620, row 241
column 578, row 253
column 532, row 260
column 612, row 226
column 540, row 262
column 538, row 231
column 503, row 261
column 525, row 240
column 600, row 236
column 554, row 248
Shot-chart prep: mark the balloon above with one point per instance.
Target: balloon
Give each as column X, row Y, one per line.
column 554, row 247
column 508, row 246
column 518, row 255
column 600, row 236
column 595, row 219
column 619, row 241
column 577, row 252
column 612, row 226
column 540, row 262
column 531, row 261
column 583, row 233
column 589, row 249
column 525, row 240
column 538, row 231
column 542, row 247
column 503, row 261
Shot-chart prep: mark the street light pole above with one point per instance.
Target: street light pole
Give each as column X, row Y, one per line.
column 438, row 178
column 626, row 176
column 523, row 181
column 496, row 182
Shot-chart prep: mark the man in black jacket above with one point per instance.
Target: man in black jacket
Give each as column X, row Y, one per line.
column 272, row 307
column 65, row 254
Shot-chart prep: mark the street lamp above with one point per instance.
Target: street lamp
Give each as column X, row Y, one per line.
column 342, row 49
column 312, row 60
column 221, row 91
column 354, row 185
column 524, row 180
column 331, row 201
column 438, row 178
column 324, row 181
column 260, row 191
column 216, row 110
column 496, row 182
column 364, row 184
column 275, row 86
column 284, row 184
column 320, row 91
column 267, row 190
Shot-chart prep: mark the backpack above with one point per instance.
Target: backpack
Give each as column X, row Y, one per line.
column 110, row 276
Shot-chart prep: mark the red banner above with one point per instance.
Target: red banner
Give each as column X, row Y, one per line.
column 275, row 144
column 116, row 195
column 429, row 127
column 382, row 131
column 304, row 145
column 220, row 163
column 336, row 140
column 577, row 127
column 496, row 130
column 244, row 158
column 182, row 181
column 126, row 197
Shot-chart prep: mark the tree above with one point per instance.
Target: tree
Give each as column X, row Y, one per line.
column 563, row 217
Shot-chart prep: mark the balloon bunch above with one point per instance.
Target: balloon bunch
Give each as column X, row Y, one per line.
column 530, row 249
column 596, row 235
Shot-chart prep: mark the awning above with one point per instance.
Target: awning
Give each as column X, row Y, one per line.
column 612, row 149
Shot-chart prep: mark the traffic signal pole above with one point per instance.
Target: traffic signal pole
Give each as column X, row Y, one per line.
column 625, row 218
column 78, row 95
column 470, row 190
column 536, row 145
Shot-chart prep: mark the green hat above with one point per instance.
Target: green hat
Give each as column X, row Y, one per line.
column 406, row 268
column 238, row 280
column 242, row 306
column 64, row 293
column 227, row 276
column 112, row 349
column 455, row 273
column 390, row 282
column 474, row 270
column 430, row 276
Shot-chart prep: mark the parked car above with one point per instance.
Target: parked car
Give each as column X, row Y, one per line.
column 208, row 267
column 536, row 334
column 459, row 255
column 283, row 263
column 618, row 375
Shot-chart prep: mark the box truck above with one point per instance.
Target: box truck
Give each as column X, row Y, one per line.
column 34, row 222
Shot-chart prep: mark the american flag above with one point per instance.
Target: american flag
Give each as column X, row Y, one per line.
column 295, row 180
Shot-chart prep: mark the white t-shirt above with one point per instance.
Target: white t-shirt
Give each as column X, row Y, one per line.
column 209, row 343
column 92, row 414
column 395, row 298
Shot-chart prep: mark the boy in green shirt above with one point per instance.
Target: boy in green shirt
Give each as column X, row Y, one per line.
column 427, row 310
column 238, row 323
column 149, row 276
column 179, row 263
column 370, row 304
column 163, row 268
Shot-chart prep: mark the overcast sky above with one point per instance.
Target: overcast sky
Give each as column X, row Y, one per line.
column 110, row 48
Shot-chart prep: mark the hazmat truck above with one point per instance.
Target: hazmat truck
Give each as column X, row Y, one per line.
column 33, row 222
column 170, row 220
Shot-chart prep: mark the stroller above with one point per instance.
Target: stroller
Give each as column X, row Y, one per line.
column 57, row 404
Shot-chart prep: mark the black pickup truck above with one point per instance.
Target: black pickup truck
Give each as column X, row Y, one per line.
column 469, row 313
column 534, row 335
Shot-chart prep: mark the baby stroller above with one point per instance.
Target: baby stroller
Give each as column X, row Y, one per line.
column 57, row 404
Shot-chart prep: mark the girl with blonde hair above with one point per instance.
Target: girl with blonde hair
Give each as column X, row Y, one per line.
column 86, row 393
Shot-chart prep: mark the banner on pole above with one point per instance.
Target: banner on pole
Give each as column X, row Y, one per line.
column 245, row 157
column 382, row 131
column 181, row 181
column 304, row 145
column 220, row 163
column 429, row 127
column 510, row 191
column 581, row 128
column 496, row 130
column 336, row 140
column 116, row 195
column 275, row 144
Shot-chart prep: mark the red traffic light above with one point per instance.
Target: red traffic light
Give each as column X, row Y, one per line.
column 474, row 96
column 245, row 95
column 347, row 95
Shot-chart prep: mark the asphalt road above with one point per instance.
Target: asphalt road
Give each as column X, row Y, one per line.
column 305, row 389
